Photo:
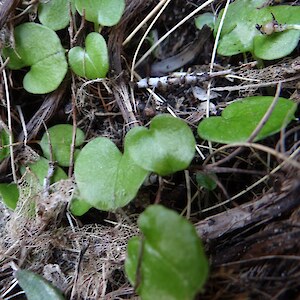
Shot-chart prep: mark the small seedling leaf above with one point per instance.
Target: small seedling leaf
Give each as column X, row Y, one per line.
column 4, row 142
column 38, row 47
column 239, row 33
column 9, row 193
column 240, row 118
column 103, row 12
column 166, row 147
column 61, row 140
column 169, row 261
column 207, row 19
column 93, row 61
column 208, row 181
column 36, row 287
column 55, row 14
column 106, row 179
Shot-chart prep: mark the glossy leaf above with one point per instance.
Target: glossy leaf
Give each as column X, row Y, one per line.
column 9, row 193
column 169, row 261
column 93, row 61
column 61, row 140
column 38, row 47
column 103, row 12
column 166, row 147
column 36, row 287
column 55, row 14
column 106, row 179
column 240, row 118
column 4, row 142
column 239, row 33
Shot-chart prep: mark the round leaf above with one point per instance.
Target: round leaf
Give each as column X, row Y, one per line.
column 93, row 61
column 240, row 118
column 206, row 180
column 61, row 140
column 38, row 47
column 103, row 12
column 36, row 287
column 169, row 260
column 106, row 179
column 55, row 14
column 166, row 147
column 9, row 193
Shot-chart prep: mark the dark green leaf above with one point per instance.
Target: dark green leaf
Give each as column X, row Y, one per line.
column 208, row 181
column 169, row 261
column 4, row 142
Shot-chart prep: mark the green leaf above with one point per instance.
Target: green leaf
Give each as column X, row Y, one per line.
column 169, row 261
column 106, row 179
column 239, row 33
column 208, row 181
column 207, row 19
column 4, row 142
column 9, row 193
column 240, row 118
column 36, row 287
column 55, row 14
column 38, row 47
column 166, row 147
column 40, row 169
column 93, row 61
column 79, row 207
column 61, row 140
column 103, row 12
column 279, row 44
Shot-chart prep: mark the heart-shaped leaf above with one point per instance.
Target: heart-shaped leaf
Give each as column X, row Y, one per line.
column 169, row 261
column 93, row 61
column 106, row 179
column 61, row 139
column 36, row 287
column 4, row 142
column 38, row 47
column 103, row 12
column 9, row 193
column 240, row 118
column 166, row 147
column 55, row 14
column 239, row 33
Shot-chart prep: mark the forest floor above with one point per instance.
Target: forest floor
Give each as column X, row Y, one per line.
column 249, row 224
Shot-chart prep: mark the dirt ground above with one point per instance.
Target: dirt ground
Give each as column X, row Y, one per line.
column 250, row 224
